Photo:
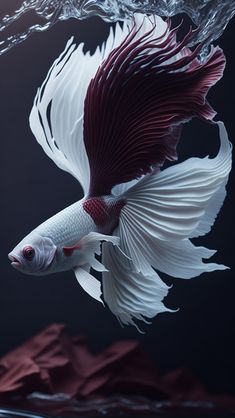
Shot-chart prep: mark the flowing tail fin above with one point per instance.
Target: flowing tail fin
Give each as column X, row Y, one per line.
column 162, row 212
column 130, row 294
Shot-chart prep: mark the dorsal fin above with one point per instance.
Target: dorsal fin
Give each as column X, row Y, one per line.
column 137, row 101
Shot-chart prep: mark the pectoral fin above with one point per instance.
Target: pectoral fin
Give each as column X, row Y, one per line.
column 91, row 243
column 90, row 246
column 88, row 282
column 68, row 251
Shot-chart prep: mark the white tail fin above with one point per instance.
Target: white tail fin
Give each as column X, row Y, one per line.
column 129, row 294
column 162, row 212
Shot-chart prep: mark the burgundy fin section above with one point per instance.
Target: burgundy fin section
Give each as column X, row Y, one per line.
column 136, row 102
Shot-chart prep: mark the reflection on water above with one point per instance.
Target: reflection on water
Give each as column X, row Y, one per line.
column 125, row 407
column 211, row 16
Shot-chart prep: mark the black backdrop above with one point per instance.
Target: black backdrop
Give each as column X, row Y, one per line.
column 201, row 335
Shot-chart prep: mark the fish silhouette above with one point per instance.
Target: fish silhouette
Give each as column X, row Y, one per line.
column 112, row 119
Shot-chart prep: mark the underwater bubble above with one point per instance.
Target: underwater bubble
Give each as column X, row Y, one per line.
column 211, row 16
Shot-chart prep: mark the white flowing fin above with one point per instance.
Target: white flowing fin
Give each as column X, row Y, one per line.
column 179, row 259
column 57, row 116
column 90, row 245
column 129, row 294
column 56, row 119
column 94, row 263
column 123, row 187
column 88, row 282
column 168, row 206
column 215, row 203
column 211, row 212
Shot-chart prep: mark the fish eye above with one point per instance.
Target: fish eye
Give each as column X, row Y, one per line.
column 28, row 252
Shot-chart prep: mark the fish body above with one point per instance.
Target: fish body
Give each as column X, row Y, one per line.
column 67, row 228
column 63, row 229
column 112, row 119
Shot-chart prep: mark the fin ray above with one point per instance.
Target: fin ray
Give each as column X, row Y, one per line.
column 129, row 294
column 163, row 211
column 56, row 118
column 89, row 283
column 138, row 100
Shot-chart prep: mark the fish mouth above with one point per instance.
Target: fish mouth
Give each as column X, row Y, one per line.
column 14, row 261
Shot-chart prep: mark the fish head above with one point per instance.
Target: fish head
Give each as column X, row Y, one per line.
column 34, row 255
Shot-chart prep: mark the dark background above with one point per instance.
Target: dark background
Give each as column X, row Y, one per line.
column 201, row 335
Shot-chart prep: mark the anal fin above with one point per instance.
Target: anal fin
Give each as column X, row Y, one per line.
column 89, row 283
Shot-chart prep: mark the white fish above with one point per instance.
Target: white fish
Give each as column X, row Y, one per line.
column 111, row 119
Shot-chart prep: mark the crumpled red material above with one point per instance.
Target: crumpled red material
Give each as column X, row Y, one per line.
column 53, row 362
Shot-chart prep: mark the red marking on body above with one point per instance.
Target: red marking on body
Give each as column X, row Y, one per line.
column 68, row 251
column 104, row 212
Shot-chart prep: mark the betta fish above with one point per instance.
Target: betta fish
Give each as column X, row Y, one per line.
column 111, row 119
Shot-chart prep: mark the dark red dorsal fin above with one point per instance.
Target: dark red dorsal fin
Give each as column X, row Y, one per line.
column 137, row 102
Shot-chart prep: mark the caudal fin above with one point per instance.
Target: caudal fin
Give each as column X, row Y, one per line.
column 162, row 212
column 165, row 209
column 129, row 294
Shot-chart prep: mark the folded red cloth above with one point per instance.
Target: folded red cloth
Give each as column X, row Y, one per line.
column 53, row 362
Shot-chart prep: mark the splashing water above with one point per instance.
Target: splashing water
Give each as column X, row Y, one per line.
column 211, row 16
